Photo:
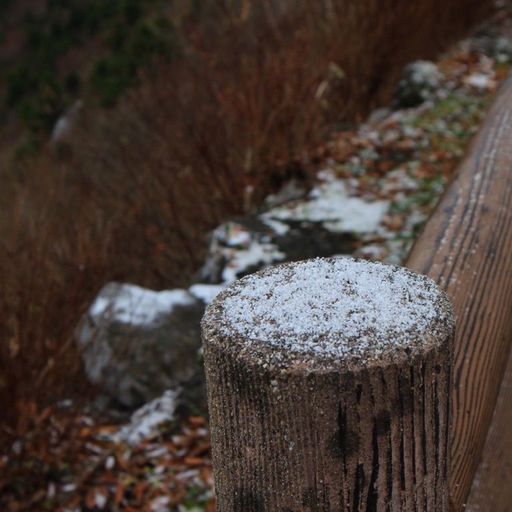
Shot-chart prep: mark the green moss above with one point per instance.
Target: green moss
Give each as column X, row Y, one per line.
column 457, row 107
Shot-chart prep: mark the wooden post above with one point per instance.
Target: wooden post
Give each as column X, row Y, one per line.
column 329, row 389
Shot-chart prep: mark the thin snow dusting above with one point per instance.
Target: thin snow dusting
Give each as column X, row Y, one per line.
column 256, row 253
column 280, row 228
column 425, row 72
column 146, row 422
column 334, row 204
column 330, row 203
column 232, row 235
column 134, row 305
column 480, row 81
column 334, row 307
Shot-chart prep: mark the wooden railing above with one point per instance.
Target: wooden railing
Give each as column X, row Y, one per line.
column 466, row 247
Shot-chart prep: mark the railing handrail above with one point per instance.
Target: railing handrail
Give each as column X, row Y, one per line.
column 466, row 247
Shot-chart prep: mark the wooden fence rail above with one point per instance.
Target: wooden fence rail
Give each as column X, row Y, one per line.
column 467, row 248
column 293, row 434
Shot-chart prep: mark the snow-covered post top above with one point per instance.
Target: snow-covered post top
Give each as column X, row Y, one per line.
column 328, row 388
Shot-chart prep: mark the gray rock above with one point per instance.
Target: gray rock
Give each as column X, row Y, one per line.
column 137, row 343
column 419, row 83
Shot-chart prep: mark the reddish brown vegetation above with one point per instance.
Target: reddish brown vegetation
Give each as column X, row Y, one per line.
column 173, row 468
column 52, row 254
column 201, row 139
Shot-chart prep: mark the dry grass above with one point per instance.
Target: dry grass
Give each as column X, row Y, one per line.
column 201, row 139
column 52, row 254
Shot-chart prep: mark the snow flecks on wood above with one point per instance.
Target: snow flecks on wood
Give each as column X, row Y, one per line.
column 333, row 308
column 319, row 374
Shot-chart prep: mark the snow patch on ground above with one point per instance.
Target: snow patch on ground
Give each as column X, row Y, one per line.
column 232, row 234
column 480, row 81
column 279, row 228
column 330, row 203
column 257, row 253
column 206, row 292
column 146, row 422
column 134, row 305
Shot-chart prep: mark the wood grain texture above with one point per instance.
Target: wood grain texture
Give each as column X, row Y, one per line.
column 372, row 440
column 467, row 248
column 492, row 486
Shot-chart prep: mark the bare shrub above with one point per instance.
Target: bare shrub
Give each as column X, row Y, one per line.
column 53, row 257
column 202, row 138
